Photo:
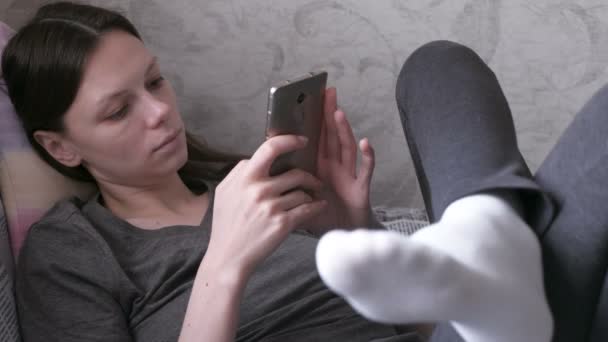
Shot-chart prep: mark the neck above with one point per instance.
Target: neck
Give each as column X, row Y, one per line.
column 167, row 197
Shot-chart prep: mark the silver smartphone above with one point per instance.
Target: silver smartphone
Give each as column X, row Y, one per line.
column 296, row 107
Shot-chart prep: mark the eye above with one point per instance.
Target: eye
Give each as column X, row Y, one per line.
column 119, row 114
column 157, row 83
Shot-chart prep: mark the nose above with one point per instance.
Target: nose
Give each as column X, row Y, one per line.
column 156, row 110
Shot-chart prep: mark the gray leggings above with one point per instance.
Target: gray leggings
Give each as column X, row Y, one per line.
column 461, row 136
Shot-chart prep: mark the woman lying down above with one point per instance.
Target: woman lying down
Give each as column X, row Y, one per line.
column 173, row 247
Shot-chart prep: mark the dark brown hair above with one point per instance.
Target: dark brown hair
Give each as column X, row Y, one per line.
column 43, row 64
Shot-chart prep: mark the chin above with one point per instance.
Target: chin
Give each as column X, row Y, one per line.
column 182, row 155
column 173, row 161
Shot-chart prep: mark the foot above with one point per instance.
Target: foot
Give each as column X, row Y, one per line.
column 479, row 267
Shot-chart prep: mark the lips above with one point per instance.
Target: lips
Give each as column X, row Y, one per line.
column 167, row 140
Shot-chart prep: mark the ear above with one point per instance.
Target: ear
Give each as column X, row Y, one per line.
column 58, row 148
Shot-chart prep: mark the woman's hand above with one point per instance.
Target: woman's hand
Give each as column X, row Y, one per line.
column 346, row 188
column 254, row 213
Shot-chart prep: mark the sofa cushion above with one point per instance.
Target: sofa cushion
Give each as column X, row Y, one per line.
column 28, row 185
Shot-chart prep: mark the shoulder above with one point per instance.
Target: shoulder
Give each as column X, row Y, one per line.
column 63, row 237
column 65, row 219
column 68, row 287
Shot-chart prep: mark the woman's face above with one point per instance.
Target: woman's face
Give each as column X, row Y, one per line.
column 124, row 125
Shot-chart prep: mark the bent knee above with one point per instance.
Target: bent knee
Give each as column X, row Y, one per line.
column 438, row 57
column 438, row 53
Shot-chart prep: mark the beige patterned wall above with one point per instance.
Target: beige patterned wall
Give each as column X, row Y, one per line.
column 222, row 55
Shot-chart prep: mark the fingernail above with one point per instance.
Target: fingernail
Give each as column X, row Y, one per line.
column 302, row 138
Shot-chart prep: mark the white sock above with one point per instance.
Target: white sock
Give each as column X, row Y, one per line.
column 479, row 267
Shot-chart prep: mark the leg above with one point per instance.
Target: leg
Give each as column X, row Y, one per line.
column 456, row 101
column 575, row 247
column 480, row 255
column 460, row 132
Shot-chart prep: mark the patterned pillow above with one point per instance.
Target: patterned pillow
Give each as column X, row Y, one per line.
column 406, row 221
column 28, row 186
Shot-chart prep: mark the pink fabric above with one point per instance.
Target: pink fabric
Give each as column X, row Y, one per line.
column 5, row 33
column 21, row 224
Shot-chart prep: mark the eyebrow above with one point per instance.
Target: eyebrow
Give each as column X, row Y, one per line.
column 104, row 99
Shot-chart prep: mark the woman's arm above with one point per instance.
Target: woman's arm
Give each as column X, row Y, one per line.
column 253, row 213
column 213, row 309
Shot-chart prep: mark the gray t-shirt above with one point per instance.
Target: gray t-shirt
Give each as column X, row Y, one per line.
column 87, row 275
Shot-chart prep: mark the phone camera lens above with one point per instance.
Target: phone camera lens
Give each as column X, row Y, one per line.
column 301, row 97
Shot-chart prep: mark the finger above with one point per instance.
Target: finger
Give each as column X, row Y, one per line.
column 292, row 199
column 292, row 179
column 305, row 212
column 368, row 161
column 270, row 149
column 330, row 108
column 348, row 144
column 330, row 103
column 237, row 169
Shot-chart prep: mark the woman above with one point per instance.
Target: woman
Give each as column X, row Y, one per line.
column 131, row 258
column 128, row 264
